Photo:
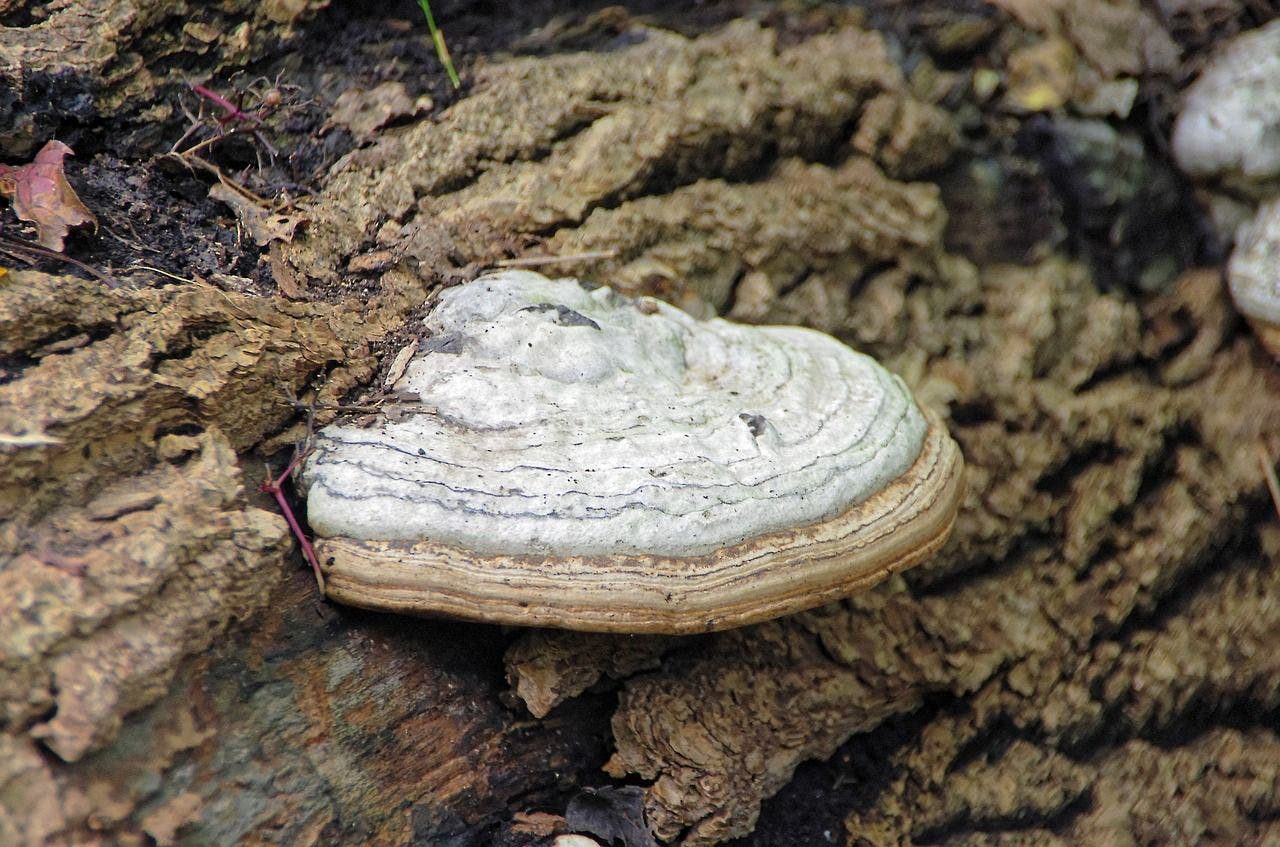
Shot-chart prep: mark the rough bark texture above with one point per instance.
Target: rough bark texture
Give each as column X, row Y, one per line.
column 640, row 153
column 1090, row 660
column 80, row 58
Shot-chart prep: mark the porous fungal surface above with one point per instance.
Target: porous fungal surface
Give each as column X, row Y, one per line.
column 646, row 470
column 565, row 420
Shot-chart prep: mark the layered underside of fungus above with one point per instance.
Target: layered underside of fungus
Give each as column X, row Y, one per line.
column 561, row 455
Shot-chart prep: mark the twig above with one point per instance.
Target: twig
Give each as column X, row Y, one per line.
column 233, row 112
column 538, row 261
column 131, row 242
column 244, row 192
column 26, row 252
column 196, row 148
column 379, row 406
column 192, row 162
column 275, row 487
column 244, row 122
column 195, row 123
column 140, row 267
column 29, row 439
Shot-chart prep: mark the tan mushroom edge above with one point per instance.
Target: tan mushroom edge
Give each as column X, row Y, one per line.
column 765, row 577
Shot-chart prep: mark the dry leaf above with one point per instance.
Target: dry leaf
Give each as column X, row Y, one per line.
column 290, row 284
column 613, row 814
column 365, row 112
column 42, row 195
column 263, row 226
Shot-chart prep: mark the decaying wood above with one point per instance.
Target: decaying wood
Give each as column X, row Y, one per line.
column 584, row 147
column 1044, row 608
column 110, row 55
column 129, row 544
column 1091, row 657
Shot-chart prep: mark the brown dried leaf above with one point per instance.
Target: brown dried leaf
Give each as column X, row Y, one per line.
column 613, row 814
column 366, row 112
column 263, row 226
column 42, row 195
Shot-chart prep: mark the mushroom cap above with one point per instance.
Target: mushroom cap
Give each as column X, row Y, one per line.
column 585, row 460
column 1230, row 119
column 1253, row 274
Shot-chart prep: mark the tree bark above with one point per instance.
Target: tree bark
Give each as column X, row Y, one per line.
column 1089, row 660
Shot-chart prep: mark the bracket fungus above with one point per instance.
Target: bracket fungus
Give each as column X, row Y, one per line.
column 1253, row 275
column 580, row 459
column 1229, row 125
column 1227, row 134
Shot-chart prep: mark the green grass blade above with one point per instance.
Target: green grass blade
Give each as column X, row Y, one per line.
column 442, row 50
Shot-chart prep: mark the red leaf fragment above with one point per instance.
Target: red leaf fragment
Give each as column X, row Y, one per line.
column 42, row 195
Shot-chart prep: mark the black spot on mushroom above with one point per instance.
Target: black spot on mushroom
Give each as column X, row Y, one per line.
column 564, row 316
column 450, row 343
column 755, row 423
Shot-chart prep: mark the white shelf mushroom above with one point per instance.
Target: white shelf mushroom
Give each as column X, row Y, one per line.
column 1254, row 275
column 1228, row 133
column 584, row 460
column 1230, row 120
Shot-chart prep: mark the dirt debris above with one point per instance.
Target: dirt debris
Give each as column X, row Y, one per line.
column 77, row 60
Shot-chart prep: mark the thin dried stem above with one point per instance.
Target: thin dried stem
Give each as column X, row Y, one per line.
column 140, row 267
column 28, row 252
column 275, row 487
column 539, row 261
